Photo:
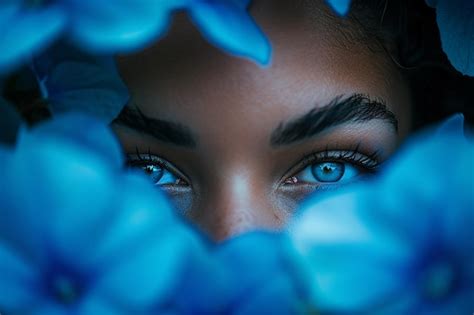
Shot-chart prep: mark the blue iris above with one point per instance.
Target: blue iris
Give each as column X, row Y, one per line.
column 159, row 175
column 328, row 172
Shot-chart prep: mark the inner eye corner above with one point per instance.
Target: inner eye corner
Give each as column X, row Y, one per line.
column 290, row 180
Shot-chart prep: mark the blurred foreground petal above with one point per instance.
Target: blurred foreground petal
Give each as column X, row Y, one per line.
column 401, row 243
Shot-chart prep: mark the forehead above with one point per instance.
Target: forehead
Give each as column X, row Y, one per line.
column 183, row 78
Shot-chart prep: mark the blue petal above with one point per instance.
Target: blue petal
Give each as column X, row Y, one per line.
column 456, row 24
column 87, row 88
column 61, row 166
column 452, row 125
column 97, row 305
column 20, row 225
column 332, row 229
column 124, row 25
column 130, row 219
column 341, row 7
column 456, row 209
column 10, row 122
column 231, row 28
column 254, row 258
column 17, row 283
column 239, row 267
column 432, row 3
column 72, row 80
column 149, row 277
column 276, row 296
column 193, row 296
column 461, row 303
column 76, row 161
column 90, row 135
column 50, row 308
column 25, row 33
column 374, row 224
column 243, row 4
column 8, row 9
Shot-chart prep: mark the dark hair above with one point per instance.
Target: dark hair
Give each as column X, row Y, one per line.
column 408, row 31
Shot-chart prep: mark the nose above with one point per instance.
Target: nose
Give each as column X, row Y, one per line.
column 235, row 205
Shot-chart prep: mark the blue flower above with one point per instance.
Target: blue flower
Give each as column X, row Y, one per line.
column 401, row 244
column 105, row 27
column 78, row 233
column 341, row 7
column 266, row 276
column 24, row 31
column 254, row 273
column 27, row 27
column 10, row 122
column 228, row 25
column 71, row 80
column 456, row 25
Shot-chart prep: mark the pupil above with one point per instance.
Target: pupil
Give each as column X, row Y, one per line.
column 328, row 171
column 149, row 169
column 154, row 172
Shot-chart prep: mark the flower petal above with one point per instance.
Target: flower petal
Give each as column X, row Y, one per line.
column 243, row 4
column 97, row 305
column 142, row 211
column 50, row 308
column 194, row 297
column 432, row 3
column 69, row 166
column 364, row 245
column 277, row 296
column 20, row 225
column 24, row 33
column 452, row 125
column 119, row 26
column 17, row 283
column 255, row 258
column 148, row 277
column 333, row 229
column 341, row 7
column 88, row 88
column 91, row 136
column 10, row 122
column 456, row 24
column 230, row 27
column 71, row 80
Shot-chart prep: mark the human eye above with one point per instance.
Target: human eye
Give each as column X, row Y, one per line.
column 161, row 172
column 332, row 168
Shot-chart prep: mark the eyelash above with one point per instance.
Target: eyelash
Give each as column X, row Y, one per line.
column 369, row 163
column 144, row 159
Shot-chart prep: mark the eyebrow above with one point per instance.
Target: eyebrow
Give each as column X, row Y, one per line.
column 355, row 108
column 162, row 130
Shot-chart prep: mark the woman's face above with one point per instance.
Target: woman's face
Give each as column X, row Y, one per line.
column 237, row 146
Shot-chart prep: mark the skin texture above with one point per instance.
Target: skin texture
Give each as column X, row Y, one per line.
column 234, row 180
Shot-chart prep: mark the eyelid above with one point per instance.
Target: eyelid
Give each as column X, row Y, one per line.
column 370, row 162
column 135, row 159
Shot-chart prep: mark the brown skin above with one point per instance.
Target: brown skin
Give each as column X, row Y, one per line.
column 234, row 180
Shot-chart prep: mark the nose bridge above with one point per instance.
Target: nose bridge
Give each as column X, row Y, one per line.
column 234, row 203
